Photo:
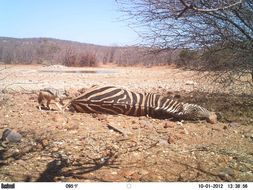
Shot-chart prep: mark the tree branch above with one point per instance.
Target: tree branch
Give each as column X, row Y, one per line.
column 197, row 9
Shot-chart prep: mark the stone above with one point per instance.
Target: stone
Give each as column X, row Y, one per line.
column 234, row 125
column 129, row 173
column 72, row 127
column 225, row 172
column 145, row 124
column 44, row 142
column 143, row 172
column 171, row 140
column 168, row 125
column 212, row 118
column 11, row 136
column 190, row 82
column 135, row 127
column 225, row 127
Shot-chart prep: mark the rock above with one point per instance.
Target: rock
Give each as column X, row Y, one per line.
column 21, row 162
column 212, row 118
column 225, row 127
column 168, row 125
column 226, row 172
column 55, row 118
column 182, row 132
column 216, row 128
column 55, row 149
column 145, row 124
column 58, row 118
column 129, row 173
column 190, row 82
column 72, row 127
column 186, row 131
column 44, row 142
column 177, row 96
column 143, row 172
column 114, row 173
column 133, row 122
column 11, row 136
column 171, row 140
column 248, row 135
column 100, row 117
column 16, row 151
column 135, row 127
column 234, row 125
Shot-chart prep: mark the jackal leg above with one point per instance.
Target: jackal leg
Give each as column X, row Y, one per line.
column 48, row 103
column 58, row 105
column 41, row 105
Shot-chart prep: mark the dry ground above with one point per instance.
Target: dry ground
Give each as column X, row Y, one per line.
column 98, row 147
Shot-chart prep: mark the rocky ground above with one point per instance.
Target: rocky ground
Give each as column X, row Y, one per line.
column 70, row 146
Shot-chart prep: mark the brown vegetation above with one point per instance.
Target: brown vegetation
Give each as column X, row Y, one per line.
column 52, row 51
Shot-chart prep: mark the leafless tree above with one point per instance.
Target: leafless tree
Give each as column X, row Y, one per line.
column 69, row 58
column 217, row 29
column 87, row 59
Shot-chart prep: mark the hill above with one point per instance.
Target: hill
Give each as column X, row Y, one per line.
column 54, row 51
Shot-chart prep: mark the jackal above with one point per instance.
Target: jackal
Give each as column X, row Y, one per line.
column 49, row 96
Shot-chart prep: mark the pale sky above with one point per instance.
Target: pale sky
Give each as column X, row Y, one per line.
column 90, row 21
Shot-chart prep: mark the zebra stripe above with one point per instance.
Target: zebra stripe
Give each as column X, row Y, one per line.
column 114, row 100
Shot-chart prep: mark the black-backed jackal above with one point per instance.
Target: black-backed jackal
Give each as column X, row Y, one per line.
column 49, row 96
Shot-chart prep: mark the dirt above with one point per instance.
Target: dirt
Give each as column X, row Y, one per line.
column 68, row 146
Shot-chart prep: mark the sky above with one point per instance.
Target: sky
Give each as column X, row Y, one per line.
column 89, row 21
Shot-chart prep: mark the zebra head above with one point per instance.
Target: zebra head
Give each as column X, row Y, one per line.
column 195, row 112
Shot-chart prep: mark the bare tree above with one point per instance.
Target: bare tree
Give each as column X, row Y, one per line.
column 213, row 28
column 87, row 59
column 70, row 57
